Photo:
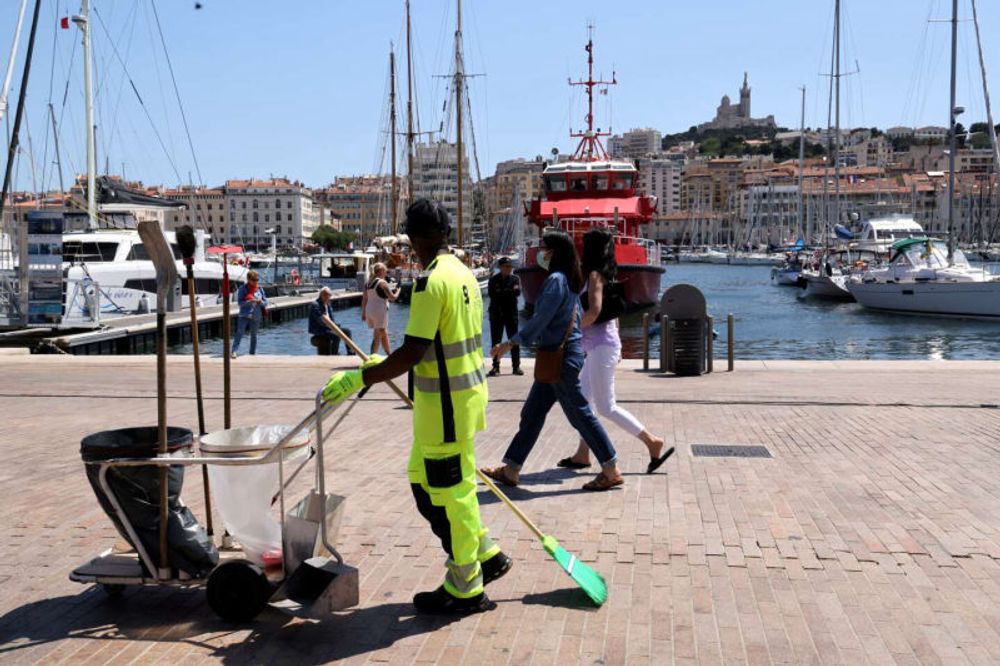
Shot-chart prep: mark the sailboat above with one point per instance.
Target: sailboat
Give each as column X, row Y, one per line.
column 827, row 278
column 924, row 277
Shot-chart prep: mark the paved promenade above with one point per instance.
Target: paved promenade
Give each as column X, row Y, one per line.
column 871, row 536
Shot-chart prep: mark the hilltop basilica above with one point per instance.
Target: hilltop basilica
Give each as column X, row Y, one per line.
column 730, row 116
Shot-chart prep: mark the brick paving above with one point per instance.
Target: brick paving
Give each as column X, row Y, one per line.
column 871, row 536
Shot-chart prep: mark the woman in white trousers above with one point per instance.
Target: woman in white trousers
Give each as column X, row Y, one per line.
column 603, row 347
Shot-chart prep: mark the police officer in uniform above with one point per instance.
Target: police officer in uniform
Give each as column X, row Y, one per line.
column 443, row 346
column 503, row 289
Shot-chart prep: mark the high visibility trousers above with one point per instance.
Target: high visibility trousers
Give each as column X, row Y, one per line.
column 443, row 480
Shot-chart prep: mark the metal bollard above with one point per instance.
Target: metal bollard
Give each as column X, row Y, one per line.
column 729, row 340
column 710, row 344
column 664, row 343
column 645, row 341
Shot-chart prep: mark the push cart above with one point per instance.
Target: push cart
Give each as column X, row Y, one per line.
column 306, row 575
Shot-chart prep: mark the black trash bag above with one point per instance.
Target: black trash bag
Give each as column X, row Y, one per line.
column 137, row 490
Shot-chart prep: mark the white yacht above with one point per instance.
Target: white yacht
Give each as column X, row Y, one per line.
column 920, row 280
column 349, row 271
column 828, row 279
column 107, row 273
column 878, row 234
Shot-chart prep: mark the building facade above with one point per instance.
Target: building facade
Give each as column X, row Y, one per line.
column 256, row 209
column 435, row 176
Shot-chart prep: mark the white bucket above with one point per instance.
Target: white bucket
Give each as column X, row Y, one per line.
column 242, row 493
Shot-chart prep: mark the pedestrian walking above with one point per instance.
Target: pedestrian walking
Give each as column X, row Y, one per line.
column 253, row 304
column 321, row 325
column 442, row 346
column 602, row 346
column 504, row 289
column 555, row 325
column 375, row 307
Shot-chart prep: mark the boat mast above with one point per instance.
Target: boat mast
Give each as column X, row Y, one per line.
column 392, row 135
column 16, row 131
column 10, row 63
column 951, row 134
column 409, row 107
column 82, row 21
column 590, row 147
column 836, row 139
column 459, row 83
column 803, row 229
column 986, row 96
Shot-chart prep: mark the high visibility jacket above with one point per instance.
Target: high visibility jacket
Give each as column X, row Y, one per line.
column 450, row 395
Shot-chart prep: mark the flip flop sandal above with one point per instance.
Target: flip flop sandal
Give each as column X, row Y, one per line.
column 569, row 463
column 654, row 463
column 499, row 474
column 602, row 483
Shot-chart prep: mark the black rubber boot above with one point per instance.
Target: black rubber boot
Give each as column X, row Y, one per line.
column 439, row 602
column 495, row 567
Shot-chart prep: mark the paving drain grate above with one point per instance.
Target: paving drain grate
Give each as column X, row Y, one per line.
column 729, row 451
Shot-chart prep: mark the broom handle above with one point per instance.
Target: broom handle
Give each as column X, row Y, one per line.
column 482, row 477
column 364, row 357
column 510, row 505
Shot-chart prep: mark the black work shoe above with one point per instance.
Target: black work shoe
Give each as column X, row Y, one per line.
column 518, row 371
column 439, row 602
column 495, row 567
column 493, row 373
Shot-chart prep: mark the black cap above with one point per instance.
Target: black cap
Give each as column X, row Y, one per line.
column 504, row 261
column 426, row 218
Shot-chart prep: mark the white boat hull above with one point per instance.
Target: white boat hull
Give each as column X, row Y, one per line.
column 785, row 277
column 827, row 286
column 954, row 299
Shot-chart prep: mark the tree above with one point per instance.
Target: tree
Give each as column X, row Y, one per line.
column 331, row 239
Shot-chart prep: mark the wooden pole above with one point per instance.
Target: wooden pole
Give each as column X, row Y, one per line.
column 645, row 341
column 729, row 340
column 364, row 357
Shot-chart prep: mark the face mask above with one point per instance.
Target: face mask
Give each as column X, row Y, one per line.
column 542, row 260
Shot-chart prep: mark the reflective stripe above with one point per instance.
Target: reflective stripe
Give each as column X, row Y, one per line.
column 463, row 580
column 456, row 349
column 459, row 383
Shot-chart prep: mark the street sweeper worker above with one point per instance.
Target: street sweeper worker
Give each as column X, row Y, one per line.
column 443, row 346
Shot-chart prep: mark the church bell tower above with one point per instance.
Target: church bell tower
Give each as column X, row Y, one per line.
column 745, row 98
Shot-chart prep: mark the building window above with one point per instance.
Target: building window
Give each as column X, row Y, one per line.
column 232, row 203
column 254, row 203
column 244, row 217
column 277, row 203
column 255, row 218
column 243, row 205
column 288, row 205
column 277, row 217
column 267, row 217
column 232, row 216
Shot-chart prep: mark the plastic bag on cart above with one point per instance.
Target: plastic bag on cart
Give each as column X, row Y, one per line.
column 137, row 490
column 243, row 493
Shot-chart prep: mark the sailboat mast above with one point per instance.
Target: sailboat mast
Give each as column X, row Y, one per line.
column 951, row 134
column 392, row 136
column 836, row 139
column 803, row 229
column 409, row 107
column 10, row 62
column 459, row 84
column 83, row 23
column 991, row 128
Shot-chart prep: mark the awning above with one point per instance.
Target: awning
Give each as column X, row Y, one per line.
column 225, row 249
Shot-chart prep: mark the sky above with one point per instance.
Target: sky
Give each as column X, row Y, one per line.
column 300, row 88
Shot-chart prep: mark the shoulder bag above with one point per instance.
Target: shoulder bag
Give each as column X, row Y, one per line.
column 548, row 364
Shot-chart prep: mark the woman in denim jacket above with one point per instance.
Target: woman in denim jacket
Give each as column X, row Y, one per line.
column 555, row 306
column 252, row 302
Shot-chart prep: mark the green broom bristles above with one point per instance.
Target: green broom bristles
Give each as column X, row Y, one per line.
column 589, row 580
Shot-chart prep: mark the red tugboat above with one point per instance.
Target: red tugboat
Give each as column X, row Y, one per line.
column 592, row 190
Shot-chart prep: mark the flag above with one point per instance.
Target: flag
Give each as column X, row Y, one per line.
column 64, row 23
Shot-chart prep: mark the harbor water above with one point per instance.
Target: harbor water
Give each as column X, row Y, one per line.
column 771, row 323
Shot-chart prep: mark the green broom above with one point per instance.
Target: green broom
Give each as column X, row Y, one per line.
column 589, row 580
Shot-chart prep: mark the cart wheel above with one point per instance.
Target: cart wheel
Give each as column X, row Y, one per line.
column 113, row 590
column 237, row 590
